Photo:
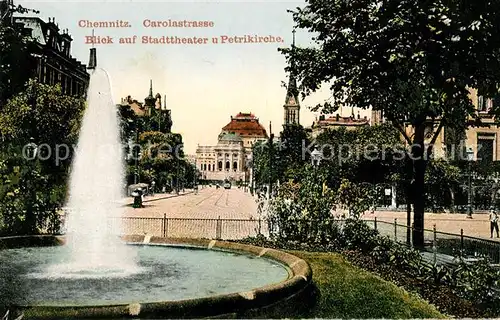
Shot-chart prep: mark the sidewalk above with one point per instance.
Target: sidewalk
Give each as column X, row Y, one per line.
column 478, row 226
column 128, row 201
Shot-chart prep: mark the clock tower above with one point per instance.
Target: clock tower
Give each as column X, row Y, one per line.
column 292, row 105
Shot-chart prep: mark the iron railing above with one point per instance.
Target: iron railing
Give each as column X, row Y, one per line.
column 442, row 243
column 223, row 229
column 436, row 242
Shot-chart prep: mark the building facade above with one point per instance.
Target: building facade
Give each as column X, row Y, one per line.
column 51, row 61
column 482, row 137
column 229, row 159
column 334, row 122
column 225, row 161
column 154, row 108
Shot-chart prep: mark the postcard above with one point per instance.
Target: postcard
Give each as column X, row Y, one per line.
column 248, row 159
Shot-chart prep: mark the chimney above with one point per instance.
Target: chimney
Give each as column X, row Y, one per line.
column 92, row 59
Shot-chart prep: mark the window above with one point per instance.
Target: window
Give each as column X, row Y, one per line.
column 485, row 147
column 235, row 166
column 227, row 165
column 209, row 167
column 220, row 165
column 484, row 104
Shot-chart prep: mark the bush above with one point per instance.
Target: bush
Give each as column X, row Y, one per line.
column 356, row 234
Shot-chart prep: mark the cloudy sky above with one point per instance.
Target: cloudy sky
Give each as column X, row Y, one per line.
column 204, row 84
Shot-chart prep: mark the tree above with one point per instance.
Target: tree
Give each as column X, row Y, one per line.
column 302, row 211
column 34, row 187
column 267, row 163
column 293, row 139
column 414, row 60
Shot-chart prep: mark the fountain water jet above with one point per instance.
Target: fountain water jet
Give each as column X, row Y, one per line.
column 96, row 182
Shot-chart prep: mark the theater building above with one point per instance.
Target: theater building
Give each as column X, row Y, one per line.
column 228, row 160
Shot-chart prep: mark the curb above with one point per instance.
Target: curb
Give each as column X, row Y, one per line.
column 276, row 300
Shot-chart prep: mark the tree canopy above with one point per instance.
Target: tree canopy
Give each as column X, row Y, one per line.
column 413, row 60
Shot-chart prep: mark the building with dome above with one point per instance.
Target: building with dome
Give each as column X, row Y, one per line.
column 229, row 159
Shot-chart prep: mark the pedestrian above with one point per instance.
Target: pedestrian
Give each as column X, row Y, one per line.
column 493, row 221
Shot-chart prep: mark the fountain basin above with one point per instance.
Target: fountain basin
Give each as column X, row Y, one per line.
column 276, row 299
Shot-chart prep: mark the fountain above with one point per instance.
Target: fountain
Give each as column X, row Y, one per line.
column 95, row 192
column 95, row 273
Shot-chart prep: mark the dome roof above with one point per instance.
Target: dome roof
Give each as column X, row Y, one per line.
column 230, row 137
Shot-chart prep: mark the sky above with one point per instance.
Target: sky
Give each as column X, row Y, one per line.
column 205, row 84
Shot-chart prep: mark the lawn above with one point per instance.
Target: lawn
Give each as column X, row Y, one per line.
column 347, row 291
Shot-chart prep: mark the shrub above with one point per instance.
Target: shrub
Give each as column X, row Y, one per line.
column 356, row 234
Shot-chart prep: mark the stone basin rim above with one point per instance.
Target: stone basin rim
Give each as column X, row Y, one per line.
column 238, row 304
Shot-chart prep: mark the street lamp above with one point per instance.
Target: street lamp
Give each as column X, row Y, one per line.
column 32, row 149
column 137, row 175
column 470, row 158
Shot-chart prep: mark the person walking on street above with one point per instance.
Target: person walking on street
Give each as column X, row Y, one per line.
column 493, row 221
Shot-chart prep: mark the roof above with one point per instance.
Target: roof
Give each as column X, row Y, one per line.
column 230, row 137
column 245, row 125
column 137, row 107
column 342, row 121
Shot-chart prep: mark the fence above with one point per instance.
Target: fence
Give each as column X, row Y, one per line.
column 223, row 229
column 443, row 243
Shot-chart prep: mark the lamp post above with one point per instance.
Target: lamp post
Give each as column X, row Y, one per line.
column 270, row 144
column 32, row 149
column 137, row 153
column 252, row 170
column 195, row 175
column 470, row 158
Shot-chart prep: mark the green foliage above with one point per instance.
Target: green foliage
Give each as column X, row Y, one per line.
column 162, row 158
column 29, row 199
column 356, row 198
column 350, row 292
column 414, row 61
column 33, row 190
column 43, row 113
column 367, row 154
column 442, row 179
column 302, row 212
column 357, row 234
column 266, row 163
column 402, row 57
column 479, row 282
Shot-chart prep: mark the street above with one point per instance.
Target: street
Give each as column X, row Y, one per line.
column 209, row 203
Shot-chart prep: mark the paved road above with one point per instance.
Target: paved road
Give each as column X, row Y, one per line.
column 196, row 215
column 209, row 203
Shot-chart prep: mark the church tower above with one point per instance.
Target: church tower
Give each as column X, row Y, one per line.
column 150, row 101
column 292, row 106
